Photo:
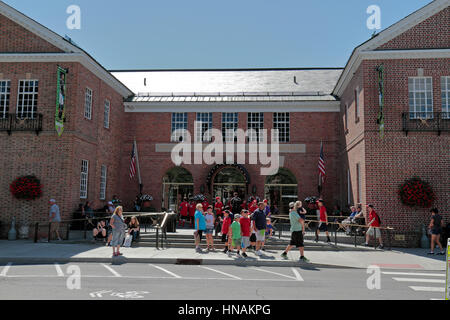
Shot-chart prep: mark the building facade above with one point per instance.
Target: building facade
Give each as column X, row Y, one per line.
column 106, row 111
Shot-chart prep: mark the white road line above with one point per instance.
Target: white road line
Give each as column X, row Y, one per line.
column 5, row 269
column 114, row 272
column 414, row 274
column 297, row 274
column 419, row 280
column 221, row 272
column 59, row 270
column 272, row 272
column 166, row 271
column 429, row 289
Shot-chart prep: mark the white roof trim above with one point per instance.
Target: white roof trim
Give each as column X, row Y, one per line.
column 79, row 57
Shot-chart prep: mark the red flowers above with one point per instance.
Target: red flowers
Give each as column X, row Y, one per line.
column 28, row 188
column 415, row 192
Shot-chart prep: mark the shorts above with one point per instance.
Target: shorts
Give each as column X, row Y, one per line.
column 371, row 232
column 322, row 226
column 245, row 242
column 224, row 238
column 199, row 233
column 253, row 238
column 297, row 239
column 117, row 238
column 54, row 226
column 184, row 217
column 209, row 230
column 236, row 242
column 260, row 235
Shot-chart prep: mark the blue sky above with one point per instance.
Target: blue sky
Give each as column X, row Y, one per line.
column 168, row 34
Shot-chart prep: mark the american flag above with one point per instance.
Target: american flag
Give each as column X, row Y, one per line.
column 133, row 162
column 321, row 164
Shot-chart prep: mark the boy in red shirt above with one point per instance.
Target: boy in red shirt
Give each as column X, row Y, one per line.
column 218, row 206
column 374, row 225
column 245, row 231
column 253, row 206
column 225, row 228
column 323, row 221
column 184, row 211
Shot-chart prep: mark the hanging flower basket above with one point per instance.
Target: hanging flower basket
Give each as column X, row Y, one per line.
column 416, row 193
column 27, row 188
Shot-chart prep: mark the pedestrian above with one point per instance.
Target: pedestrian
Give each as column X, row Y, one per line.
column 111, row 208
column 209, row 218
column 192, row 212
column 297, row 232
column 236, row 236
column 252, row 206
column 218, row 207
column 374, row 227
column 118, row 230
column 323, row 221
column 435, row 227
column 235, row 204
column 225, row 228
column 200, row 226
column 184, row 212
column 245, row 223
column 54, row 219
column 134, row 228
column 266, row 208
column 259, row 226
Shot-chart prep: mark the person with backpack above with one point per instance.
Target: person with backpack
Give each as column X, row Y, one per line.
column 435, row 227
column 374, row 227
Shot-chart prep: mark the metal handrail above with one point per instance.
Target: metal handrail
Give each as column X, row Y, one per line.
column 163, row 228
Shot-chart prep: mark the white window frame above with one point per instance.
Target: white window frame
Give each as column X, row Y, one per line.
column 282, row 124
column 30, row 111
column 103, row 180
column 106, row 113
column 445, row 97
column 255, row 121
column 179, row 121
column 5, row 98
column 88, row 98
column 415, row 105
column 230, row 120
column 206, row 123
column 84, row 179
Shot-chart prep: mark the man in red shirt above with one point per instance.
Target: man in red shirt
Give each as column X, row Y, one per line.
column 245, row 231
column 253, row 206
column 323, row 218
column 374, row 225
column 184, row 211
column 192, row 212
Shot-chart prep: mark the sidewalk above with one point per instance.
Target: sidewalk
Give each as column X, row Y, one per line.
column 28, row 252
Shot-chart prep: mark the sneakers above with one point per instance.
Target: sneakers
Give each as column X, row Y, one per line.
column 198, row 250
column 380, row 247
column 258, row 253
column 229, row 253
column 244, row 255
column 284, row 255
column 442, row 253
column 225, row 250
column 303, row 259
column 430, row 252
column 365, row 244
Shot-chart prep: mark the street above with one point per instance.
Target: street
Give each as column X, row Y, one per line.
column 100, row 281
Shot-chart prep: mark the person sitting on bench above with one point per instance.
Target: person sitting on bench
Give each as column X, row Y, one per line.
column 99, row 232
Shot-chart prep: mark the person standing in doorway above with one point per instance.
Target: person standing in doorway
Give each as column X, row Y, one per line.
column 323, row 221
column 435, row 227
column 118, row 230
column 54, row 219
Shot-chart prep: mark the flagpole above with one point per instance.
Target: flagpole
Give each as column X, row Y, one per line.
column 138, row 167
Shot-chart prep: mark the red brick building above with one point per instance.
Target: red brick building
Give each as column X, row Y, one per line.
column 107, row 110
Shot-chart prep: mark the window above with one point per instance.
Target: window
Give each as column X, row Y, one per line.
column 84, row 179
column 358, row 183
column 420, row 98
column 179, row 121
column 349, row 187
column 229, row 122
column 106, row 114
column 206, row 123
column 5, row 89
column 346, row 118
column 103, row 182
column 445, row 94
column 255, row 122
column 27, row 98
column 356, row 104
column 281, row 122
column 88, row 104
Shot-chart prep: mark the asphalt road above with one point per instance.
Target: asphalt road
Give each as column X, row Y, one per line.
column 180, row 282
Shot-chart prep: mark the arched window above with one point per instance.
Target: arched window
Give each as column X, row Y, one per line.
column 280, row 189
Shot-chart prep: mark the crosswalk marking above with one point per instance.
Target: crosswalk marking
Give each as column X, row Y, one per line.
column 114, row 272
column 297, row 274
column 5, row 269
column 221, row 272
column 59, row 270
column 414, row 274
column 166, row 271
column 419, row 280
column 429, row 289
column 279, row 274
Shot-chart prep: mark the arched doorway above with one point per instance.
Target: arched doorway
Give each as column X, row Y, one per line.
column 177, row 184
column 280, row 189
column 227, row 179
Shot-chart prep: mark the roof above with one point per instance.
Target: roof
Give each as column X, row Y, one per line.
column 231, row 84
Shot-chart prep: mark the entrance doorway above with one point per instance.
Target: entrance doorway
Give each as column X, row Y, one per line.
column 226, row 182
column 177, row 185
column 281, row 189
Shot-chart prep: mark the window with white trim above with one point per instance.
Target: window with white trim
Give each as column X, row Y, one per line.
column 106, row 114
column 179, row 121
column 445, row 95
column 420, row 97
column 88, row 104
column 5, row 90
column 281, row 121
column 255, row 121
column 27, row 98
column 229, row 122
column 103, row 175
column 206, row 123
column 84, row 179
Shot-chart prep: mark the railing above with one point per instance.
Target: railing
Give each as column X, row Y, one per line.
column 14, row 122
column 426, row 122
column 163, row 228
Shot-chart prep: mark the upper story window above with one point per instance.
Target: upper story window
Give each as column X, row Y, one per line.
column 445, row 94
column 420, row 97
column 202, row 129
column 88, row 104
column 356, row 104
column 106, row 114
column 5, row 89
column 27, row 98
column 229, row 126
column 179, row 122
column 256, row 122
column 281, row 121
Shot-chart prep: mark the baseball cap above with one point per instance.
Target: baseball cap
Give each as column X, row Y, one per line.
column 52, row 200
